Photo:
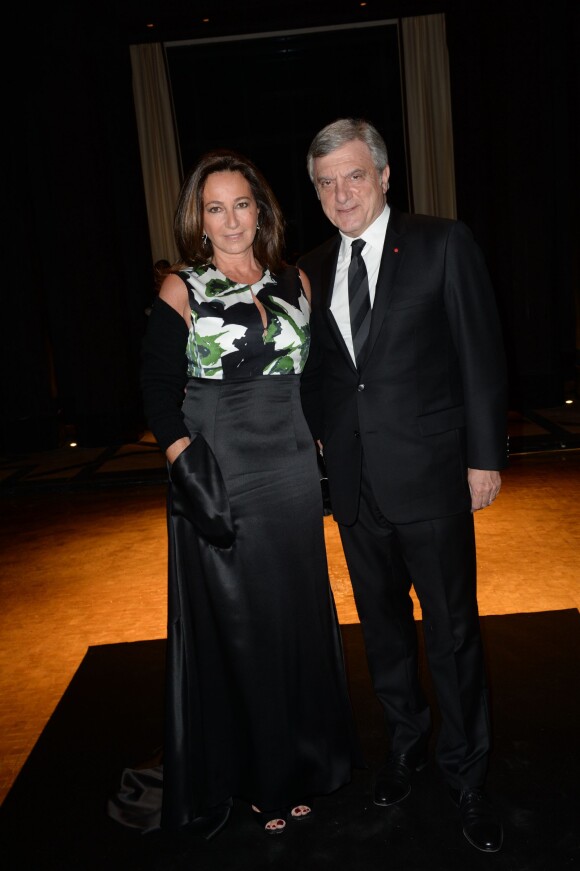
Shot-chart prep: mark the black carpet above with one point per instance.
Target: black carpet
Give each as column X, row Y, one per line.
column 111, row 715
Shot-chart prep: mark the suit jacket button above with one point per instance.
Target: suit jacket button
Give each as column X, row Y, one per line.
column 356, row 434
column 360, row 388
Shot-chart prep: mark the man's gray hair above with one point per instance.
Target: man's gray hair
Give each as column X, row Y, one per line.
column 346, row 130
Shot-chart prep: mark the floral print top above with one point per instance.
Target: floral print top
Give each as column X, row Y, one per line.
column 227, row 338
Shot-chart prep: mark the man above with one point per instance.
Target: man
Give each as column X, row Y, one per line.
column 409, row 407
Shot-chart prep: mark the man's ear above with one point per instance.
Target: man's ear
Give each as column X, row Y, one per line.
column 385, row 178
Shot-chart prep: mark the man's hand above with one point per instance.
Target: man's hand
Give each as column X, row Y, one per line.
column 484, row 486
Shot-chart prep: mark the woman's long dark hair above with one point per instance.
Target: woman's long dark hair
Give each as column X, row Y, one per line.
column 188, row 221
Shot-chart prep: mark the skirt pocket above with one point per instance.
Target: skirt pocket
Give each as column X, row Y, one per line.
column 199, row 493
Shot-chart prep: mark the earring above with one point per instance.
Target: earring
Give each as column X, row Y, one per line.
column 204, row 239
column 257, row 226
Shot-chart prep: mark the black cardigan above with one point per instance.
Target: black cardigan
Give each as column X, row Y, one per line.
column 164, row 373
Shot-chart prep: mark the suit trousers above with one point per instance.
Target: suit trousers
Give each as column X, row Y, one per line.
column 436, row 557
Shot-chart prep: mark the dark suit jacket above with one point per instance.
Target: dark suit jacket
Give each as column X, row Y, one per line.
column 430, row 399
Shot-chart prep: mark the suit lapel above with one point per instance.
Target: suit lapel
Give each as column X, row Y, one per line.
column 327, row 272
column 392, row 254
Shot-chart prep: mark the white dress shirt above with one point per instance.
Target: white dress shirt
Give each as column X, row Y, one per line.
column 374, row 237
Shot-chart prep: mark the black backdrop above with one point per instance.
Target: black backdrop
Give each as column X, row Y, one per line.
column 278, row 91
column 77, row 258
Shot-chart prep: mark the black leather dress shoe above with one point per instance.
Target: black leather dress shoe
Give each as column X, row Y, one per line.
column 393, row 781
column 481, row 824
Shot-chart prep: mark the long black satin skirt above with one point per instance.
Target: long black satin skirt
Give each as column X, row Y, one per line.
column 257, row 705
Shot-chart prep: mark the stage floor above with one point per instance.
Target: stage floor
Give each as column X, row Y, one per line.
column 84, row 562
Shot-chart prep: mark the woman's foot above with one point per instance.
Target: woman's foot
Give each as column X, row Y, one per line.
column 273, row 822
column 301, row 811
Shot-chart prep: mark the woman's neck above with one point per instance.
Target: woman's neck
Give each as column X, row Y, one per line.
column 243, row 269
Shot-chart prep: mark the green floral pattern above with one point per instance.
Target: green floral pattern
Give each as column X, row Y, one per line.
column 227, row 338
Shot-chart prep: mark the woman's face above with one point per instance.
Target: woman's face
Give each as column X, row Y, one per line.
column 230, row 212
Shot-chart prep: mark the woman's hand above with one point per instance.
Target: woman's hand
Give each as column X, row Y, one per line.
column 174, row 450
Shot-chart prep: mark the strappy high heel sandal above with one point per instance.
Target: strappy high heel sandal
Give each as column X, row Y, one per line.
column 272, row 822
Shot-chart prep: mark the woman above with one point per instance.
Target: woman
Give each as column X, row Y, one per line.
column 257, row 704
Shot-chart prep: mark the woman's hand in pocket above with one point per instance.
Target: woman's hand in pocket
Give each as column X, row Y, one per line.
column 175, row 449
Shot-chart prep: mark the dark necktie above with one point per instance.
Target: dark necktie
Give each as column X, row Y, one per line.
column 358, row 298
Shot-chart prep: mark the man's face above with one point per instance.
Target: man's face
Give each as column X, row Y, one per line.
column 351, row 190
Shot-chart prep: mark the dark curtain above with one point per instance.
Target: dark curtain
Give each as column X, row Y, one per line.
column 514, row 79
column 79, row 257
column 273, row 94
